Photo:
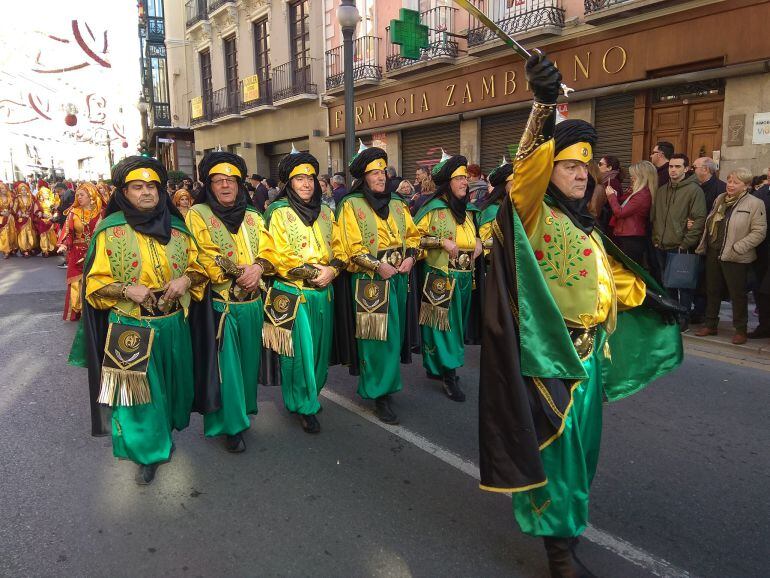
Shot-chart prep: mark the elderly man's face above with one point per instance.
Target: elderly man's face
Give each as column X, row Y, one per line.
column 701, row 170
column 142, row 195
column 376, row 180
column 571, row 178
column 459, row 186
column 225, row 189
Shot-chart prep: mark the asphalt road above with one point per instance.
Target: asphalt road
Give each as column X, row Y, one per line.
column 680, row 488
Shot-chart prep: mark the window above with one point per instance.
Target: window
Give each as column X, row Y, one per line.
column 206, row 88
column 299, row 32
column 157, row 56
column 261, row 49
column 155, row 8
column 231, row 66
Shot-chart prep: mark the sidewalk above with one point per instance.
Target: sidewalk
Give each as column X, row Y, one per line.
column 759, row 347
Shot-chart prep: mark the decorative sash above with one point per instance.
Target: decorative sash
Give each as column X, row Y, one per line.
column 280, row 313
column 436, row 296
column 372, row 298
column 124, row 368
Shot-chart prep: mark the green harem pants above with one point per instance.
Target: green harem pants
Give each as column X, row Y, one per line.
column 443, row 351
column 304, row 375
column 380, row 361
column 239, row 357
column 142, row 433
column 560, row 508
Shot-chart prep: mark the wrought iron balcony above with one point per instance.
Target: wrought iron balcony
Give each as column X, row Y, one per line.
column 515, row 17
column 195, row 11
column 441, row 24
column 265, row 97
column 156, row 29
column 294, row 78
column 214, row 5
column 224, row 102
column 366, row 62
column 161, row 114
column 600, row 11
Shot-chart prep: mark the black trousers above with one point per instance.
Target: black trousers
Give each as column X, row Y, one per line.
column 634, row 247
column 721, row 275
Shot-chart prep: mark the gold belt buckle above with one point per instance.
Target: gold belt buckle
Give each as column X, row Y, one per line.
column 584, row 343
column 394, row 258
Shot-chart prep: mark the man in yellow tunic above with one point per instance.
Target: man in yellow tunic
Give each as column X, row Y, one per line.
column 380, row 241
column 298, row 310
column 141, row 271
column 568, row 320
column 450, row 246
column 232, row 242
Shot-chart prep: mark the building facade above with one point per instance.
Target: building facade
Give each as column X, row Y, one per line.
column 162, row 134
column 694, row 73
column 247, row 77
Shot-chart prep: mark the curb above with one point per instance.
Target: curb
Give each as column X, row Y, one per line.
column 760, row 347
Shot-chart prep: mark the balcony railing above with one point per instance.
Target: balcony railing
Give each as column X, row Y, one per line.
column 156, row 29
column 195, row 11
column 366, row 62
column 265, row 96
column 515, row 17
column 161, row 114
column 224, row 102
column 215, row 4
column 293, row 79
column 441, row 24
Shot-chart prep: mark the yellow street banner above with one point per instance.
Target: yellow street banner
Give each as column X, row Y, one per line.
column 196, row 106
column 251, row 88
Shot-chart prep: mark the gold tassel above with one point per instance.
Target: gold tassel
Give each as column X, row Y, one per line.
column 607, row 352
column 278, row 339
column 372, row 326
column 121, row 387
column 434, row 316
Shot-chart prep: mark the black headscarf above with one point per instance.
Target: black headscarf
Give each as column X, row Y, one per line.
column 232, row 217
column 442, row 176
column 566, row 134
column 308, row 211
column 378, row 201
column 155, row 223
column 497, row 178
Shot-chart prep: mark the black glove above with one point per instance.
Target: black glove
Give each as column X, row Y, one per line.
column 544, row 78
column 668, row 307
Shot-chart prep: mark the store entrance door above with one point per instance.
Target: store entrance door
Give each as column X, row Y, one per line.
column 694, row 128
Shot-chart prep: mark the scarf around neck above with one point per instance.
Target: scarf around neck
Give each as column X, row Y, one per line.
column 720, row 213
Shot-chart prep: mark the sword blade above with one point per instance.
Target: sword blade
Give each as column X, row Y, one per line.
column 492, row 25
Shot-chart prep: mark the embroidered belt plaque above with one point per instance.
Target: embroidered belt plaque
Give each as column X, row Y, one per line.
column 436, row 295
column 372, row 298
column 280, row 313
column 124, row 368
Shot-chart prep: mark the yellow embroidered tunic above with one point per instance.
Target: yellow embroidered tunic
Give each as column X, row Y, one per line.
column 466, row 233
column 155, row 271
column 587, row 284
column 388, row 234
column 294, row 244
column 245, row 253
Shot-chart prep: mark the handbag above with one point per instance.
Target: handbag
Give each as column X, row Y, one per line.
column 682, row 270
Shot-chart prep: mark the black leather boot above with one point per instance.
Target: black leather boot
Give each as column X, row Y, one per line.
column 451, row 388
column 383, row 410
column 561, row 559
column 310, row 424
column 235, row 444
column 146, row 474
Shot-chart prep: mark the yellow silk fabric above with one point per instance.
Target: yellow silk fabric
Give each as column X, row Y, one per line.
column 155, row 272
column 388, row 236
column 310, row 244
column 244, row 255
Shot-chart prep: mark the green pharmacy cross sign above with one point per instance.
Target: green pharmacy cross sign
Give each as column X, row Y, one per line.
column 409, row 33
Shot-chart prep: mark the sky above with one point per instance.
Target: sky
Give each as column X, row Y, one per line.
column 79, row 57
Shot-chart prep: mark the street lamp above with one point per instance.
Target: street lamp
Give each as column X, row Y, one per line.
column 348, row 17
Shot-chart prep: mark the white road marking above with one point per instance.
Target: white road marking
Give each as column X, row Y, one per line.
column 618, row 546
